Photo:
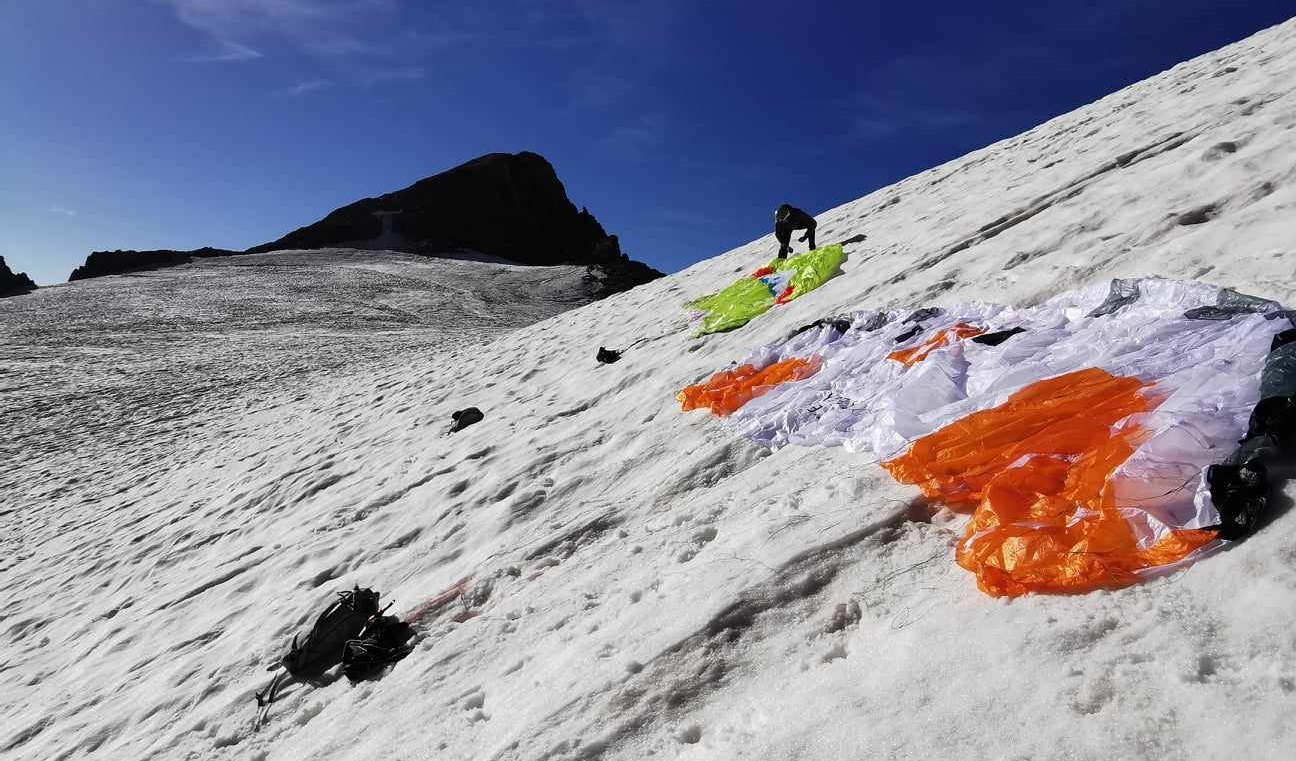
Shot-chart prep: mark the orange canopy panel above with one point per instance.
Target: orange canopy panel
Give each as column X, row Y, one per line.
column 727, row 390
column 912, row 356
column 1036, row 473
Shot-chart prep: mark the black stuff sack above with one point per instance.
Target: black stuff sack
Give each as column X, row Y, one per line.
column 386, row 639
column 324, row 645
column 461, row 419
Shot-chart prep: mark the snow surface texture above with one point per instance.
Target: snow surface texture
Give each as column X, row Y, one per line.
column 127, row 368
column 647, row 582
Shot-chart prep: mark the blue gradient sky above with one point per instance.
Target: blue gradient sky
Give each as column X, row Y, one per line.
column 181, row 123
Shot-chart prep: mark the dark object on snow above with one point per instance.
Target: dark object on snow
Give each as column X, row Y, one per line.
column 926, row 313
column 1239, row 493
column 910, row 333
column 876, row 322
column 14, row 283
column 1122, row 294
column 788, row 218
column 607, row 356
column 839, row 324
column 998, row 337
column 1210, row 313
column 1230, row 303
column 1282, row 339
column 1239, row 486
column 464, row 418
column 325, row 645
column 1243, row 302
column 917, row 317
column 386, row 639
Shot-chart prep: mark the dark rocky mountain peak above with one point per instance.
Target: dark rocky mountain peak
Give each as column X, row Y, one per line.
column 506, row 205
column 510, row 205
column 100, row 263
column 13, row 283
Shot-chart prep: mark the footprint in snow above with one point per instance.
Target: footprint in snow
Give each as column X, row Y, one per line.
column 690, row 735
column 700, row 539
column 474, row 701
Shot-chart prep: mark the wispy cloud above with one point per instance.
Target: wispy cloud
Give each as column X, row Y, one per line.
column 888, row 116
column 441, row 38
column 615, row 27
column 599, row 90
column 934, row 91
column 672, row 216
column 226, row 51
column 61, row 210
column 632, row 23
column 391, row 74
column 320, row 27
column 983, row 84
column 310, row 86
column 635, row 140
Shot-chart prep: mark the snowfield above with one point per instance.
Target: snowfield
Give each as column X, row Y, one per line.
column 126, row 368
column 193, row 462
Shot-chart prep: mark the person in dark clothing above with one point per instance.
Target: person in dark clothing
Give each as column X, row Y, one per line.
column 788, row 218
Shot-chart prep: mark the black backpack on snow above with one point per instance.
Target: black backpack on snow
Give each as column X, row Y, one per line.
column 326, row 643
column 324, row 646
column 385, row 639
column 461, row 419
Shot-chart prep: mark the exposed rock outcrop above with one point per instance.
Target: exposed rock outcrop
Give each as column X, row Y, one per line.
column 100, row 263
column 614, row 272
column 13, row 283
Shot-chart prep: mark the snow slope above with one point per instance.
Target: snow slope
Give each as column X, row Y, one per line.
column 126, row 367
column 645, row 582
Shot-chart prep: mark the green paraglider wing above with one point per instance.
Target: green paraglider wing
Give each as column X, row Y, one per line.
column 734, row 306
column 779, row 282
column 813, row 268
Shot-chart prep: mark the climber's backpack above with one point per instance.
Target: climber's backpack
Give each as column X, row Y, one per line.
column 323, row 647
column 463, row 418
column 385, row 639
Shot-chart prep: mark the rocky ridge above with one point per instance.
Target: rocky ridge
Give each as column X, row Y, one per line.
column 510, row 206
column 14, row 283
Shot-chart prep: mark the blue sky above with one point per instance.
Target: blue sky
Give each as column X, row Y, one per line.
column 680, row 124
